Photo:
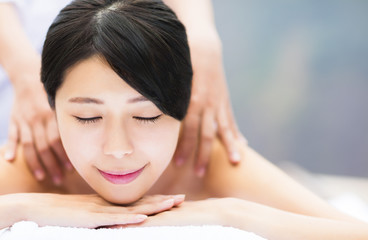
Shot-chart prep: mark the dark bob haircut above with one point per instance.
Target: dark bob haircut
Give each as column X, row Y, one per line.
column 142, row 40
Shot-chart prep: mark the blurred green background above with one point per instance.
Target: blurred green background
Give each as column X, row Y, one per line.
column 298, row 77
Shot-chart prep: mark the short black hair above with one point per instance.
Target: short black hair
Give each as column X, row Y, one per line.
column 142, row 40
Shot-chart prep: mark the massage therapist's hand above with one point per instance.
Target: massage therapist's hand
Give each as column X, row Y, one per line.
column 33, row 125
column 209, row 112
column 88, row 211
column 32, row 122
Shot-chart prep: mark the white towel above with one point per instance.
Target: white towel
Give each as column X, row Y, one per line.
column 351, row 204
column 30, row 230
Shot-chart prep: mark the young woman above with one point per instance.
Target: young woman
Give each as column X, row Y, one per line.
column 118, row 75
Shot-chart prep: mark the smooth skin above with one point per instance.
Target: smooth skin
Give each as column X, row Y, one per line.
column 33, row 125
column 25, row 198
column 254, row 196
column 291, row 206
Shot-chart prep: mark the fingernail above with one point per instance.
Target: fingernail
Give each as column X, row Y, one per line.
column 179, row 161
column 179, row 196
column 201, row 171
column 140, row 217
column 39, row 175
column 168, row 202
column 235, row 156
column 9, row 155
column 57, row 180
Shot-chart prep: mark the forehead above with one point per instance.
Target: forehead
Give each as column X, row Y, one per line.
column 93, row 77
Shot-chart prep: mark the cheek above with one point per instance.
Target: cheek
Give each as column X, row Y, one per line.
column 158, row 144
column 80, row 143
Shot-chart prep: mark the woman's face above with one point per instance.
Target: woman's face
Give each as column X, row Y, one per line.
column 117, row 140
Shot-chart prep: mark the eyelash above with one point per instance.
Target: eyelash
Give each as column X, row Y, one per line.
column 140, row 119
column 148, row 120
column 87, row 120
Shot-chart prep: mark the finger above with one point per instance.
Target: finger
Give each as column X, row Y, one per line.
column 189, row 138
column 158, row 199
column 158, row 207
column 208, row 132
column 234, row 125
column 243, row 139
column 12, row 143
column 226, row 136
column 110, row 219
column 30, row 152
column 178, row 199
column 147, row 209
column 53, row 138
column 45, row 154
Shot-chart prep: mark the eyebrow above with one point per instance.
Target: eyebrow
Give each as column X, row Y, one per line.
column 85, row 100
column 88, row 100
column 137, row 99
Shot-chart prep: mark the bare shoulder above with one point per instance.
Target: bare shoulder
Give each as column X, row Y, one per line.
column 242, row 180
column 16, row 177
column 256, row 179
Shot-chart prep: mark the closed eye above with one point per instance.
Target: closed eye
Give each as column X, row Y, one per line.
column 149, row 119
column 87, row 120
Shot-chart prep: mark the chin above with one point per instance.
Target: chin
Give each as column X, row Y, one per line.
column 121, row 198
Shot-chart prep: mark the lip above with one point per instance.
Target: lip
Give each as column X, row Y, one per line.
column 121, row 177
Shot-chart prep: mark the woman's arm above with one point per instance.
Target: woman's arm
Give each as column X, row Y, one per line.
column 265, row 221
column 89, row 211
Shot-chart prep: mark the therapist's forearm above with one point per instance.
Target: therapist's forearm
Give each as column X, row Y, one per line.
column 197, row 16
column 193, row 13
column 16, row 52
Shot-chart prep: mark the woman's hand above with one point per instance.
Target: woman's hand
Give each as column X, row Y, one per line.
column 203, row 212
column 88, row 211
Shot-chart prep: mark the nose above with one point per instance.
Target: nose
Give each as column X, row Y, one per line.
column 117, row 142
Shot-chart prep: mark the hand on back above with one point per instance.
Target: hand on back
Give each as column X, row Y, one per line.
column 209, row 114
column 33, row 126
